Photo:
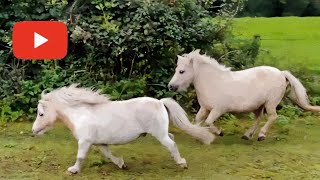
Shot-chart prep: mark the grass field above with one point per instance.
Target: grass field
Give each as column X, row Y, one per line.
column 289, row 152
column 294, row 154
column 293, row 41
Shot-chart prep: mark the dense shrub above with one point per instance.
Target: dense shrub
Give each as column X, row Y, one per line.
column 126, row 48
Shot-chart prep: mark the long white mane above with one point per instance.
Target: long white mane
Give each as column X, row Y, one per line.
column 206, row 59
column 74, row 95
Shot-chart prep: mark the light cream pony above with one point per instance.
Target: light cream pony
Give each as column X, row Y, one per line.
column 220, row 90
column 96, row 120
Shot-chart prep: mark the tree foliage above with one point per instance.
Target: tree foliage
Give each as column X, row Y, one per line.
column 273, row 8
column 126, row 48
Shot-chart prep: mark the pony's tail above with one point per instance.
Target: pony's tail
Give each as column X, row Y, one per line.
column 299, row 94
column 180, row 119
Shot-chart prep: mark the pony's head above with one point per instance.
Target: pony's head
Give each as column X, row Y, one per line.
column 46, row 116
column 184, row 74
column 52, row 105
column 188, row 65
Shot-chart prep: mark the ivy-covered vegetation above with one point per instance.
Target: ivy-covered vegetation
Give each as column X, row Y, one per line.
column 126, row 48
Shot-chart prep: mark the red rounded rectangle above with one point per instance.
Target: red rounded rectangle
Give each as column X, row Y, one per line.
column 40, row 40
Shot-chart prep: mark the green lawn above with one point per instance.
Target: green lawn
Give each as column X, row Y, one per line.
column 293, row 40
column 290, row 154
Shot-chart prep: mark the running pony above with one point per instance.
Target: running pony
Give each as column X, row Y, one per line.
column 96, row 120
column 220, row 90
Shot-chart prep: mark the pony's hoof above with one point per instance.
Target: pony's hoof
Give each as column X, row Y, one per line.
column 245, row 137
column 171, row 136
column 261, row 138
column 124, row 167
column 73, row 170
column 143, row 135
column 183, row 164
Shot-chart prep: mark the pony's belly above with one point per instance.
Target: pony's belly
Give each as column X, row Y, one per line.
column 245, row 107
column 232, row 105
column 117, row 138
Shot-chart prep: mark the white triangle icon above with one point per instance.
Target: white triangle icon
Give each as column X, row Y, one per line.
column 38, row 40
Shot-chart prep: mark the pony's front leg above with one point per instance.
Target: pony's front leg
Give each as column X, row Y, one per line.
column 116, row 160
column 201, row 115
column 83, row 148
column 213, row 116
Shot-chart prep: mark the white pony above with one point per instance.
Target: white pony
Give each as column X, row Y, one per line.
column 220, row 90
column 96, row 120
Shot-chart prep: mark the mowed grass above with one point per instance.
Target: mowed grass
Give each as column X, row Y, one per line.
column 293, row 41
column 290, row 154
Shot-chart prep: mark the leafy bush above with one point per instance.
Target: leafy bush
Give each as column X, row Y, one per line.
column 126, row 48
column 238, row 53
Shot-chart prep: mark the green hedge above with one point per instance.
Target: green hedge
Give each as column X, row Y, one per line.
column 126, row 48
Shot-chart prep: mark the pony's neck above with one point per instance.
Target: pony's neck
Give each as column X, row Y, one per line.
column 63, row 117
column 208, row 74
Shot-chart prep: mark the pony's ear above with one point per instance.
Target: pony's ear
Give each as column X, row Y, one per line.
column 197, row 51
column 182, row 58
column 179, row 57
column 43, row 93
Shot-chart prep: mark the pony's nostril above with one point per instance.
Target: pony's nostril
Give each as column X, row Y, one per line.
column 173, row 88
column 34, row 131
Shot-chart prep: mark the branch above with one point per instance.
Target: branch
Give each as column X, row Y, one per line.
column 5, row 46
column 227, row 54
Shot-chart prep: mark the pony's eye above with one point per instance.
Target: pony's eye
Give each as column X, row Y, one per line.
column 40, row 114
column 181, row 71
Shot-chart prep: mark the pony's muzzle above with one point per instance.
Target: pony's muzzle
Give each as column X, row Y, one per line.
column 34, row 131
column 173, row 88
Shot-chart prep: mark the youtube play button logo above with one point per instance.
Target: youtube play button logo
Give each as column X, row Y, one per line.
column 39, row 40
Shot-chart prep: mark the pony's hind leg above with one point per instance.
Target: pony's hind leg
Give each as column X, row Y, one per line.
column 272, row 116
column 83, row 148
column 116, row 160
column 172, row 147
column 275, row 98
column 250, row 132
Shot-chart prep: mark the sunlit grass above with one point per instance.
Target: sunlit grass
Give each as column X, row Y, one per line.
column 292, row 40
column 293, row 154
